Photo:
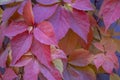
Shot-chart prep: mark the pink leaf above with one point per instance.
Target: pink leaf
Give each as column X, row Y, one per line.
column 1, row 35
column 99, row 46
column 15, row 28
column 28, row 13
column 99, row 60
column 81, row 4
column 9, row 74
column 79, row 23
column 44, row 33
column 60, row 22
column 8, row 13
column 43, row 12
column 50, row 75
column 114, row 59
column 110, row 11
column 42, row 52
column 31, row 71
column 47, row 2
column 108, row 65
column 3, row 58
column 20, row 44
column 57, row 54
column 24, row 60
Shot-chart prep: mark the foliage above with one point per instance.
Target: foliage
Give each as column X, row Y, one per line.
column 59, row 39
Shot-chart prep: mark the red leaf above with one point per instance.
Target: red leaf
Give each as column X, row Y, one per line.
column 60, row 22
column 79, row 23
column 80, row 57
column 44, row 33
column 20, row 44
column 68, row 43
column 89, row 39
column 42, row 52
column 20, row 10
column 42, row 13
column 31, row 71
column 9, row 74
column 110, row 11
column 28, row 13
column 15, row 28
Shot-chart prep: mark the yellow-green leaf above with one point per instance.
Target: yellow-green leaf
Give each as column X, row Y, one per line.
column 58, row 64
column 114, row 77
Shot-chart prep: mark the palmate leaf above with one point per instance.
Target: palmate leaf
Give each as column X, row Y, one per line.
column 110, row 12
column 78, row 21
column 107, row 58
column 104, row 61
column 63, row 19
column 43, row 31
